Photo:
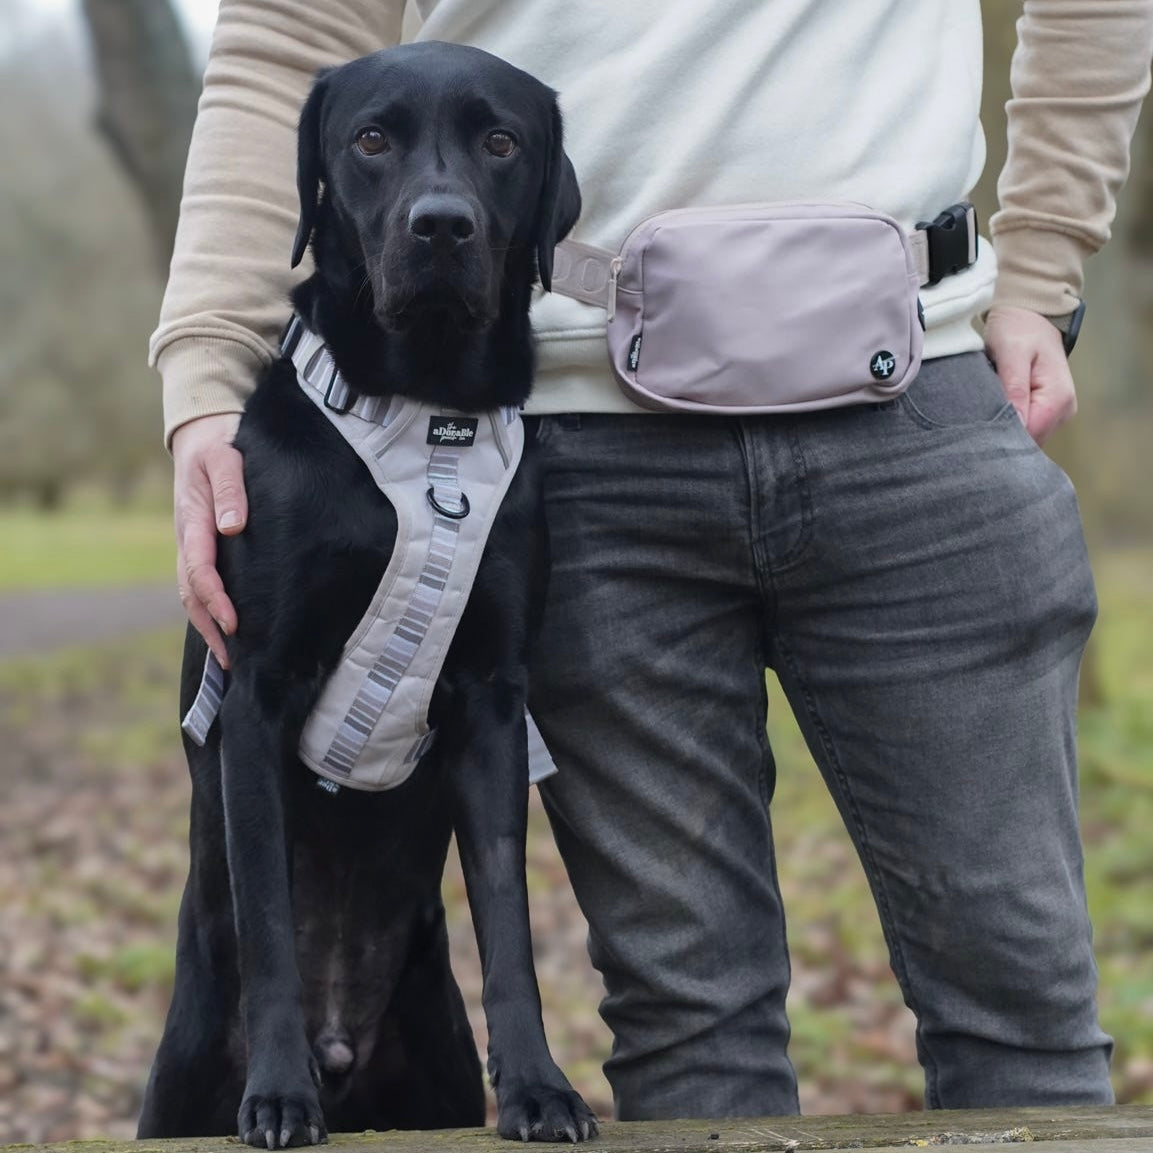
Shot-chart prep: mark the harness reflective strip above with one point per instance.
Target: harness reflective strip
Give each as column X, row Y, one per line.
column 205, row 708
column 399, row 650
column 198, row 720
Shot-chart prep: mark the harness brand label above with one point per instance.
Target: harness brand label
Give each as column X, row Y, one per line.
column 454, row 430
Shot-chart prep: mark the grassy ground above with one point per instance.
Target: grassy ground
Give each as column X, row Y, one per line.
column 85, row 546
column 94, row 825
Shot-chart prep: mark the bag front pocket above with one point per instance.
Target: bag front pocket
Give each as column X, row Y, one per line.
column 765, row 308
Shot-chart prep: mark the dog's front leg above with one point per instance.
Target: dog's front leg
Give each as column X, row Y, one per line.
column 489, row 773
column 280, row 1104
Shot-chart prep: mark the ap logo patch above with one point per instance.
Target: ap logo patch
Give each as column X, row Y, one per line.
column 883, row 364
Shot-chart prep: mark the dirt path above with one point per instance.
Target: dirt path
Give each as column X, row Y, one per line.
column 32, row 622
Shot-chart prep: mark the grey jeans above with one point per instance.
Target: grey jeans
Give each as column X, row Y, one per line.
column 915, row 573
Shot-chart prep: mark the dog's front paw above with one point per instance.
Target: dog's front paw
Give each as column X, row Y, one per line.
column 543, row 1112
column 272, row 1120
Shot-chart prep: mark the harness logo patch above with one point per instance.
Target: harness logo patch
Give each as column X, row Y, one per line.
column 635, row 352
column 883, row 364
column 459, row 431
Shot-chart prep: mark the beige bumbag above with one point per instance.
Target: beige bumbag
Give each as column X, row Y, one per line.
column 755, row 308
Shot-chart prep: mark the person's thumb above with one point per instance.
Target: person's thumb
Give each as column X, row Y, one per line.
column 224, row 467
column 1012, row 353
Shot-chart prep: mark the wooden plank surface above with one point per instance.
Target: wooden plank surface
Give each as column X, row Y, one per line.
column 1118, row 1129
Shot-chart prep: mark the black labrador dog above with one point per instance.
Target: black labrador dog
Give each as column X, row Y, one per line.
column 313, row 988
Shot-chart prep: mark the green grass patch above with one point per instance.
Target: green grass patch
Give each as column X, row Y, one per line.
column 84, row 547
column 140, row 673
column 113, row 705
column 133, row 967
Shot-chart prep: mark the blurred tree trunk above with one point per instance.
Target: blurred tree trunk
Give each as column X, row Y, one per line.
column 1066, row 448
column 148, row 94
column 49, row 495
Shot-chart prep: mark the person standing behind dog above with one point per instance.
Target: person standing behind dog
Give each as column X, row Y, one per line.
column 913, row 571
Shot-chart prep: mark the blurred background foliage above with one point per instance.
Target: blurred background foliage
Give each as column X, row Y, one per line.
column 96, row 103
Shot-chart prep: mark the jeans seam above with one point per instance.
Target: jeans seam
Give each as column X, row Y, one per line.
column 763, row 564
column 761, row 728
column 756, row 560
column 884, row 909
column 800, row 548
column 766, row 799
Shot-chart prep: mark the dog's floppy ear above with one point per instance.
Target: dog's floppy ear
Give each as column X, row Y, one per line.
column 309, row 164
column 560, row 202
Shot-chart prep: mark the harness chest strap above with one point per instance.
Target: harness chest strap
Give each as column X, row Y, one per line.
column 445, row 474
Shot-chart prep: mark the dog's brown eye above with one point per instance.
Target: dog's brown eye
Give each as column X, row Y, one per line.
column 371, row 141
column 500, row 144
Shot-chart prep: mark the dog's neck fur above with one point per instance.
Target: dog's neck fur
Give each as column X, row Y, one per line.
column 434, row 359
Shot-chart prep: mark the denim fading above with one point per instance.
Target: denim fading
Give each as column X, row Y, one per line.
column 916, row 575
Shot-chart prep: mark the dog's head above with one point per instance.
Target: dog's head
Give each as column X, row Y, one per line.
column 444, row 179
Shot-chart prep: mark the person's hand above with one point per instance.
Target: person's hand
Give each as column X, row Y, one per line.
column 1029, row 356
column 208, row 497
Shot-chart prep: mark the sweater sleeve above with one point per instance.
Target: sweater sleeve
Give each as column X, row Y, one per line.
column 1079, row 74
column 230, row 276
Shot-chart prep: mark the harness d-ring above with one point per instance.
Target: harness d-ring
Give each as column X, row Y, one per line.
column 464, row 510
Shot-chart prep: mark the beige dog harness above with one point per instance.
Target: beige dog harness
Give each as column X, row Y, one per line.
column 445, row 474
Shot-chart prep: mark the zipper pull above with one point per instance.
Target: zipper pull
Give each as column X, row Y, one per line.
column 614, row 275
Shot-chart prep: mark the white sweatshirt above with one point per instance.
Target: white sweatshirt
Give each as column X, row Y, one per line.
column 665, row 107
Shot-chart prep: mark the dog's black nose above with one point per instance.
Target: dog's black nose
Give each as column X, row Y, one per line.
column 443, row 220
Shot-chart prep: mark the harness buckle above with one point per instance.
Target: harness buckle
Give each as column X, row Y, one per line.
column 952, row 240
column 338, row 396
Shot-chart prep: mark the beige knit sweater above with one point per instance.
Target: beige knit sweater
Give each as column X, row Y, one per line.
column 670, row 103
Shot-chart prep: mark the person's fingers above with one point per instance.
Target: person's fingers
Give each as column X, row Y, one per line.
column 209, row 497
column 1027, row 351
column 198, row 615
column 225, row 469
column 199, row 542
column 1053, row 397
column 1013, row 361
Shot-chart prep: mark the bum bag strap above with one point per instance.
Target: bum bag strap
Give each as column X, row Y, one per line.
column 940, row 248
column 585, row 272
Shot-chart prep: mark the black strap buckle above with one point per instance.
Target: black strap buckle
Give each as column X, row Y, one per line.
column 1069, row 337
column 951, row 247
column 338, row 396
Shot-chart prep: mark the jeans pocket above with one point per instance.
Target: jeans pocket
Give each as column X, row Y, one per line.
column 956, row 392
